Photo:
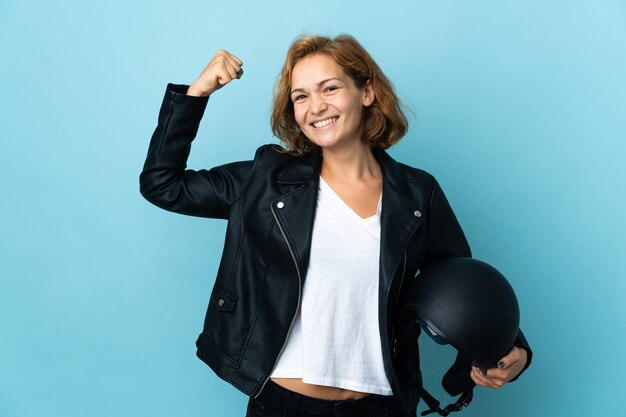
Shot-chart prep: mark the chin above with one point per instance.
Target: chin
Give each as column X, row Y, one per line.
column 325, row 144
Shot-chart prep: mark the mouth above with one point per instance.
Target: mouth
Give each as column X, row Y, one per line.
column 324, row 123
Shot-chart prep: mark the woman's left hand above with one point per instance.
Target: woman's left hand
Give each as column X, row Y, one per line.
column 509, row 367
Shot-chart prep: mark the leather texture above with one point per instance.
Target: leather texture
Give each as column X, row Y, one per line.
column 270, row 203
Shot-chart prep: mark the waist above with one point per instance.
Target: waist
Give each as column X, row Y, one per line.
column 277, row 398
column 319, row 391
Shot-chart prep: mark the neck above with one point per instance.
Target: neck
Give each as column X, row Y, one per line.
column 356, row 163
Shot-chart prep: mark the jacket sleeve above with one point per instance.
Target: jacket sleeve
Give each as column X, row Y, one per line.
column 167, row 183
column 446, row 239
column 445, row 236
column 521, row 342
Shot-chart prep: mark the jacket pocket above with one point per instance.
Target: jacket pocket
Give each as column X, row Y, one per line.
column 223, row 300
column 224, row 326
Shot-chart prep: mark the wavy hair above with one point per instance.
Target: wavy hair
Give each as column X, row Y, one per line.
column 384, row 122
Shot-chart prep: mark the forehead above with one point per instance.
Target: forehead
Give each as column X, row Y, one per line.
column 314, row 68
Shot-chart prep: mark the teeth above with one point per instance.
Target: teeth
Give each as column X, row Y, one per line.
column 325, row 122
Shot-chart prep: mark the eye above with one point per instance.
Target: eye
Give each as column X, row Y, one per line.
column 299, row 98
column 330, row 89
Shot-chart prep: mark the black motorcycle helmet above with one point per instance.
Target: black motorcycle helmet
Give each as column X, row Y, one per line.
column 468, row 304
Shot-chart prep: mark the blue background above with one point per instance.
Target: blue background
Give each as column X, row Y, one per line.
column 519, row 111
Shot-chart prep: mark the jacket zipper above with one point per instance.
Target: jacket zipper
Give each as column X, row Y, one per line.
column 393, row 328
column 297, row 308
column 401, row 279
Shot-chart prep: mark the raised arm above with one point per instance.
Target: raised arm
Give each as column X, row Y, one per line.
column 165, row 181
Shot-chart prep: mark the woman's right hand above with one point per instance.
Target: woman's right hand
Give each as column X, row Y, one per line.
column 223, row 68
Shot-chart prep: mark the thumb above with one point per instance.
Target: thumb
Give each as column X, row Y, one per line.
column 508, row 359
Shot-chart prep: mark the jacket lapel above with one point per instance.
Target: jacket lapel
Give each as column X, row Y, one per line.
column 295, row 208
column 400, row 217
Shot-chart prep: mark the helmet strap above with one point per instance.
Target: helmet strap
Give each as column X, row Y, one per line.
column 462, row 402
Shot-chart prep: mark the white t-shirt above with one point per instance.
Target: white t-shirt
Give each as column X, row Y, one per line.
column 335, row 339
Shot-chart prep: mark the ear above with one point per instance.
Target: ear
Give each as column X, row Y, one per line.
column 368, row 94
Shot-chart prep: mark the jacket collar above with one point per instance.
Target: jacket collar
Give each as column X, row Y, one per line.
column 302, row 168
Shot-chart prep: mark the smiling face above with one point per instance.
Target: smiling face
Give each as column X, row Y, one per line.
column 328, row 106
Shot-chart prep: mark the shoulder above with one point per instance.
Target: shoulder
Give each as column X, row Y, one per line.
column 273, row 156
column 275, row 151
column 416, row 175
column 421, row 184
column 399, row 172
column 268, row 154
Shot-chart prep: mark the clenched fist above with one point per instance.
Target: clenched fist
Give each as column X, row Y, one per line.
column 223, row 68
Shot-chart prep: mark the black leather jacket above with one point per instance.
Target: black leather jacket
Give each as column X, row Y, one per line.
column 270, row 203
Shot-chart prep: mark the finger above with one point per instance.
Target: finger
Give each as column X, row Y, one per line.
column 238, row 70
column 226, row 56
column 239, row 61
column 477, row 382
column 493, row 373
column 223, row 76
column 232, row 72
column 235, row 63
column 478, row 378
column 222, row 81
column 231, row 69
column 510, row 371
column 486, row 381
column 510, row 358
column 223, row 55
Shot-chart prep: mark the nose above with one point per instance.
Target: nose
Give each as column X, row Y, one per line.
column 317, row 104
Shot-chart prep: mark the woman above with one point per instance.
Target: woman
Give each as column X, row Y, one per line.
column 322, row 237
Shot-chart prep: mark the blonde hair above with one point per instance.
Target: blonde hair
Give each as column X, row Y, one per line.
column 384, row 122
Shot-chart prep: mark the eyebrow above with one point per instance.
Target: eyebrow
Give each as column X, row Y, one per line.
column 318, row 84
